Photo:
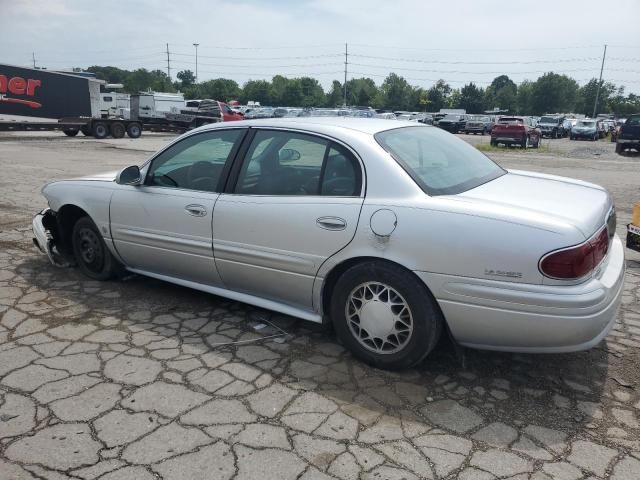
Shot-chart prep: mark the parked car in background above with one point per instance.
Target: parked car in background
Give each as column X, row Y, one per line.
column 568, row 124
column 363, row 223
column 629, row 134
column 387, row 116
column 437, row 117
column 516, row 131
column 478, row 124
column 214, row 108
column 586, row 128
column 453, row 122
column 552, row 126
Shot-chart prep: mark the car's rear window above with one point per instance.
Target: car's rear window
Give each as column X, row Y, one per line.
column 511, row 120
column 438, row 162
column 548, row 120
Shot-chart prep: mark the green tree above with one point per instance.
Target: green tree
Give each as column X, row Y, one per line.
column 311, row 92
column 523, row 98
column 221, row 89
column 141, row 80
column 472, row 98
column 110, row 74
column 394, row 93
column 186, row 77
column 257, row 91
column 437, row 95
column 278, row 86
column 587, row 97
column 361, row 91
column 553, row 93
column 335, row 95
column 501, row 93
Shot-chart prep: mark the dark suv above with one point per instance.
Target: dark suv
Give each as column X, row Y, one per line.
column 552, row 126
column 453, row 123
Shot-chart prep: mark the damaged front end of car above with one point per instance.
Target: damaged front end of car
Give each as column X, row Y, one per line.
column 46, row 235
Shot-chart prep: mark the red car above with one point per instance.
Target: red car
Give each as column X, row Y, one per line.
column 516, row 131
column 213, row 108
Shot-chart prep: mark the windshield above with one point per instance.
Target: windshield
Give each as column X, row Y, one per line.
column 548, row 120
column 453, row 118
column 583, row 123
column 438, row 162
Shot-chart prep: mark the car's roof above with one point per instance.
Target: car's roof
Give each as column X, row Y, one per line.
column 365, row 125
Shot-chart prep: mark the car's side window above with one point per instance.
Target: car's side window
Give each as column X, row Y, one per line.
column 342, row 175
column 290, row 163
column 195, row 163
column 282, row 163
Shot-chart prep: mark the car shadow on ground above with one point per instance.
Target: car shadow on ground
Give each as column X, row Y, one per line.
column 561, row 392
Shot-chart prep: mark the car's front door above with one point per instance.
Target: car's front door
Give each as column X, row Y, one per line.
column 295, row 201
column 164, row 226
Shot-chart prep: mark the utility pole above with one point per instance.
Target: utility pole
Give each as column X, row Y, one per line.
column 346, row 62
column 595, row 105
column 33, row 57
column 168, row 64
column 196, row 45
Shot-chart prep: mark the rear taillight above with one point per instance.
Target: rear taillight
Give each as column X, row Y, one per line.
column 578, row 261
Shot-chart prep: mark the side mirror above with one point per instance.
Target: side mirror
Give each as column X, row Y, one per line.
column 129, row 176
column 289, row 155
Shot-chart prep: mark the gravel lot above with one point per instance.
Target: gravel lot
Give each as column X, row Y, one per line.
column 139, row 379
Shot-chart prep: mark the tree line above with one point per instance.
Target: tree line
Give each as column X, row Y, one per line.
column 551, row 92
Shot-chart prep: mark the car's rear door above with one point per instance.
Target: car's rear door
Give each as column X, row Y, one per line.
column 164, row 226
column 294, row 201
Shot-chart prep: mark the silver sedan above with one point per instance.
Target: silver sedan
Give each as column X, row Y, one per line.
column 390, row 231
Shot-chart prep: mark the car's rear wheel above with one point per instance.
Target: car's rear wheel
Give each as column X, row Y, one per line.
column 90, row 252
column 619, row 148
column 525, row 142
column 385, row 315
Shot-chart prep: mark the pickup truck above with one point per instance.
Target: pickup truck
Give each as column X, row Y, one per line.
column 629, row 134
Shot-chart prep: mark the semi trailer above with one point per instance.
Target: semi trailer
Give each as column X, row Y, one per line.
column 36, row 99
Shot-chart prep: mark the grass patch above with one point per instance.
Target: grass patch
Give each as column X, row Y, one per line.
column 486, row 147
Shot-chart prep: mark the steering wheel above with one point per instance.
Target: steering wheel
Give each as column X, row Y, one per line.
column 338, row 186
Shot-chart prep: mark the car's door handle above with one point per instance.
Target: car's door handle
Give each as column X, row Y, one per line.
column 331, row 223
column 196, row 210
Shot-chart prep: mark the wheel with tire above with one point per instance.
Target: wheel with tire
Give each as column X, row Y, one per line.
column 90, row 252
column 619, row 148
column 537, row 144
column 555, row 133
column 134, row 130
column 493, row 143
column 100, row 130
column 70, row 132
column 385, row 315
column 85, row 131
column 525, row 143
column 117, row 130
column 595, row 137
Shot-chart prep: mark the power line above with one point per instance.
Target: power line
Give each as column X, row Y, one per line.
column 447, row 62
column 218, row 57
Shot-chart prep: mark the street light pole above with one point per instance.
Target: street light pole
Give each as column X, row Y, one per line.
column 196, row 45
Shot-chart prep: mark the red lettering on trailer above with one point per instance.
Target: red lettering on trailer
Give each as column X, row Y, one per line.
column 19, row 86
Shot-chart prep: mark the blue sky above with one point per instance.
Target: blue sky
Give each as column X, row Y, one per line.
column 421, row 40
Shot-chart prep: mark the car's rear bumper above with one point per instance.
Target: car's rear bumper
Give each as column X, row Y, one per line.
column 505, row 138
column 516, row 317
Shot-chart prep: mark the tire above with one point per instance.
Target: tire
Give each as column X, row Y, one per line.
column 619, row 148
column 525, row 143
column 134, row 130
column 117, row 130
column 493, row 143
column 90, row 252
column 100, row 130
column 555, row 133
column 85, row 131
column 70, row 132
column 377, row 284
column 537, row 144
column 484, row 130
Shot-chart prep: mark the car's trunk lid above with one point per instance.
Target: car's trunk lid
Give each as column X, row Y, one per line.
column 581, row 204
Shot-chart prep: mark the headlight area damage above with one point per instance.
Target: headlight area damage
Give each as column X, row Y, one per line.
column 46, row 236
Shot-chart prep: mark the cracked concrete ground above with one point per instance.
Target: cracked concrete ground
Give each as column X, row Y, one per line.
column 139, row 379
